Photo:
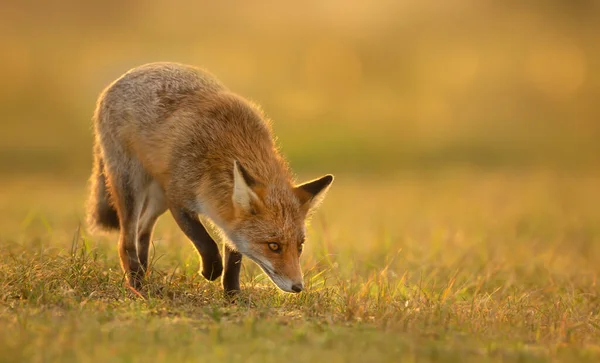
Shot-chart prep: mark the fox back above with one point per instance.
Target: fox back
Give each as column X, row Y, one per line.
column 185, row 142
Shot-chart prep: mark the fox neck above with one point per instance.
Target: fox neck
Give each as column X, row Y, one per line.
column 233, row 129
column 216, row 189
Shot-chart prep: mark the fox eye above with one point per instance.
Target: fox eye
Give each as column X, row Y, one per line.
column 300, row 247
column 274, row 246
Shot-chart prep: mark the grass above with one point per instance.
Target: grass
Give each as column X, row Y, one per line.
column 459, row 266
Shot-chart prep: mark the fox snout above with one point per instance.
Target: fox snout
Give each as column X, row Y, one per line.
column 286, row 284
column 281, row 275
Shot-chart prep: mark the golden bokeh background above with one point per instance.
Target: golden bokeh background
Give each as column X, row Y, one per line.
column 352, row 86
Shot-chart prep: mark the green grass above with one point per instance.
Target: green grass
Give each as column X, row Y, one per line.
column 459, row 266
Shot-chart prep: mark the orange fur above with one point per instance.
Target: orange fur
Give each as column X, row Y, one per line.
column 167, row 137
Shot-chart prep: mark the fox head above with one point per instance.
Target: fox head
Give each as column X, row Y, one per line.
column 269, row 223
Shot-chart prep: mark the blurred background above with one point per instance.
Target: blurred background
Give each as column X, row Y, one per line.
column 352, row 86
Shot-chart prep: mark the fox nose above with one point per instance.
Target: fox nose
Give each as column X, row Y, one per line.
column 297, row 287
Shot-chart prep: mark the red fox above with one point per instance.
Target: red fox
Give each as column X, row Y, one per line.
column 171, row 136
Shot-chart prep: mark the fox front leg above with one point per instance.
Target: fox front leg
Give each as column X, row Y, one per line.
column 212, row 266
column 231, row 277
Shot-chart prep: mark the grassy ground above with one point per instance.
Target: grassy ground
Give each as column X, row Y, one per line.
column 459, row 266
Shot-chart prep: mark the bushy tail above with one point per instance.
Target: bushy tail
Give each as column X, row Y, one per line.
column 101, row 213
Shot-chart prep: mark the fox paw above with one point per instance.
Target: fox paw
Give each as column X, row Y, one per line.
column 212, row 271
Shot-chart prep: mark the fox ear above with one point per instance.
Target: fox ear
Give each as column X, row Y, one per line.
column 311, row 193
column 243, row 195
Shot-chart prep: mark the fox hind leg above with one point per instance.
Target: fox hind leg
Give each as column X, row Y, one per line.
column 127, row 186
column 154, row 206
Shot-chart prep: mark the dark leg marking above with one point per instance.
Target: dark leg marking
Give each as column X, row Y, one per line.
column 143, row 247
column 212, row 266
column 231, row 276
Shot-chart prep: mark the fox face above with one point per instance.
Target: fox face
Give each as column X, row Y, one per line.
column 269, row 224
